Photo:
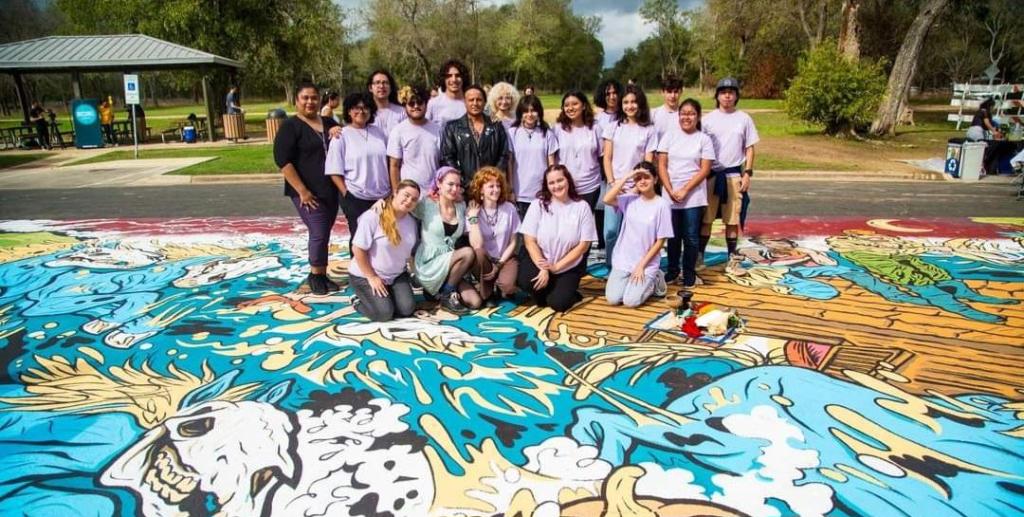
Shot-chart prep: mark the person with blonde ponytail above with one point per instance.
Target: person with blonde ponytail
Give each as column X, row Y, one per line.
column 381, row 248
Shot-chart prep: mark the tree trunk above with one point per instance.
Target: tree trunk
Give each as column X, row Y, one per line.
column 849, row 31
column 904, row 68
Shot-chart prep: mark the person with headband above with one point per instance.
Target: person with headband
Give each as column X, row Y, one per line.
column 646, row 223
column 414, row 144
column 532, row 149
column 473, row 140
column 444, row 254
column 493, row 234
column 381, row 249
column 557, row 233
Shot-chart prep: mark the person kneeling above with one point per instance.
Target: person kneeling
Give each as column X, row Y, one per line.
column 557, row 233
column 493, row 223
column 646, row 223
column 381, row 248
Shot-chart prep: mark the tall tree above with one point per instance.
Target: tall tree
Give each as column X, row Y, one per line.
column 849, row 29
column 671, row 35
column 904, row 68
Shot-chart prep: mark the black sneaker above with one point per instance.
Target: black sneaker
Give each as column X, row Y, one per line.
column 332, row 286
column 671, row 276
column 317, row 284
column 452, row 303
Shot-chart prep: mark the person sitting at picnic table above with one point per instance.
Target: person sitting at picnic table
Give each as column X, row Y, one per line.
column 985, row 128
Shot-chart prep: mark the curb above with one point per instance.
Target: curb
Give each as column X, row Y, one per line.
column 917, row 175
column 225, row 179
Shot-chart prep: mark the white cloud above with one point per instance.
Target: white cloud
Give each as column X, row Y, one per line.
column 620, row 31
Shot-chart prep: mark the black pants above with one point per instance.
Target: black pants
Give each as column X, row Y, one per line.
column 592, row 199
column 108, row 131
column 562, row 291
column 43, row 134
column 353, row 207
column 521, row 208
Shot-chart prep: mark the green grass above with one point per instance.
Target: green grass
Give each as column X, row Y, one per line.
column 243, row 159
column 13, row 160
column 770, row 162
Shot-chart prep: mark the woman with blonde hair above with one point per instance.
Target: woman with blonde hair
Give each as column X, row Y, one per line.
column 493, row 234
column 381, row 248
column 501, row 103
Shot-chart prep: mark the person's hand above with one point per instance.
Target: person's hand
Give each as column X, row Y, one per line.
column 334, row 132
column 377, row 286
column 473, row 210
column 308, row 200
column 637, row 276
column 543, row 264
column 493, row 273
column 679, row 194
column 343, row 190
column 378, row 207
column 541, row 280
column 744, row 182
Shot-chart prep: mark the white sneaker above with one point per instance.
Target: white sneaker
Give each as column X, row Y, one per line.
column 700, row 262
column 660, row 286
column 697, row 281
column 735, row 266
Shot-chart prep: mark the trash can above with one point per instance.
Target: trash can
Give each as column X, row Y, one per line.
column 274, row 119
column 972, row 160
column 234, row 126
column 954, row 148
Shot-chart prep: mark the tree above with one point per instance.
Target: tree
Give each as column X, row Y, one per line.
column 849, row 30
column 835, row 91
column 671, row 36
column 904, row 68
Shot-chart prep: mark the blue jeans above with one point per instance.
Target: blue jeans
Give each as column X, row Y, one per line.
column 686, row 228
column 612, row 222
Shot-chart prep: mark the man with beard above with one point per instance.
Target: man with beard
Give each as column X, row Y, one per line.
column 414, row 144
column 473, row 140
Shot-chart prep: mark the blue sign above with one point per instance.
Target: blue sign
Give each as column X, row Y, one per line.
column 86, row 120
column 86, row 114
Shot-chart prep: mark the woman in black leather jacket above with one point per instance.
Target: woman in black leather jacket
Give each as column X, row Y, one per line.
column 473, row 140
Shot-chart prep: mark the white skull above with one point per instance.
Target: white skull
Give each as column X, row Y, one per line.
column 220, row 456
column 98, row 257
column 219, row 270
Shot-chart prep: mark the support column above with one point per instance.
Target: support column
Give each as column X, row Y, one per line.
column 211, row 120
column 76, row 84
column 19, row 85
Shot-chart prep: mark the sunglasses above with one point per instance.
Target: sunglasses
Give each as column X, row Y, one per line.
column 414, row 102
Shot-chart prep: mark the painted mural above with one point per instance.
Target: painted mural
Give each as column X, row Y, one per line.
column 179, row 368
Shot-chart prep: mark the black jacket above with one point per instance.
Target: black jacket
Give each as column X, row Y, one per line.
column 460, row 150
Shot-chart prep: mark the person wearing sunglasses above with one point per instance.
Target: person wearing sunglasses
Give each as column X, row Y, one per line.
column 414, row 144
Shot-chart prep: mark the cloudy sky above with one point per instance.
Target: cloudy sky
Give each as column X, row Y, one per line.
column 621, row 26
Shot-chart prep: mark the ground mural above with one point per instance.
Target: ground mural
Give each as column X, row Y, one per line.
column 172, row 367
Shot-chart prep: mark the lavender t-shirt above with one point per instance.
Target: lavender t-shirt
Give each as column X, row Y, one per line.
column 685, row 151
column 387, row 260
column 664, row 120
column 579, row 149
column 360, row 155
column 603, row 119
column 419, row 148
column 643, row 222
column 560, row 228
column 732, row 133
column 530, row 150
column 389, row 118
column 498, row 228
column 630, row 142
column 441, row 109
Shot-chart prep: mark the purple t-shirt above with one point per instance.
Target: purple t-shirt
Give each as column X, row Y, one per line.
column 389, row 118
column 498, row 228
column 560, row 228
column 630, row 142
column 441, row 109
column 685, row 151
column 419, row 148
column 579, row 149
column 530, row 150
column 360, row 155
column 664, row 120
column 387, row 260
column 643, row 222
column 732, row 133
column 603, row 119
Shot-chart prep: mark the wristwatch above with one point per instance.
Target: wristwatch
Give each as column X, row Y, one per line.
column 748, row 172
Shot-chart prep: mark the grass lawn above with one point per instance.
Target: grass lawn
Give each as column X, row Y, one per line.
column 244, row 159
column 12, row 160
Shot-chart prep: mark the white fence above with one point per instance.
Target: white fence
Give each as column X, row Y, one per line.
column 970, row 96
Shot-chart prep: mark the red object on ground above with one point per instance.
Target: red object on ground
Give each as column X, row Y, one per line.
column 690, row 327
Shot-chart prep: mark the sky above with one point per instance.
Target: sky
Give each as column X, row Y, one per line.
column 621, row 26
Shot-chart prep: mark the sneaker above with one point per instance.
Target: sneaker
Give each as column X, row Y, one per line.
column 452, row 303
column 700, row 262
column 332, row 286
column 696, row 281
column 317, row 284
column 660, row 285
column 672, row 276
column 735, row 266
column 354, row 301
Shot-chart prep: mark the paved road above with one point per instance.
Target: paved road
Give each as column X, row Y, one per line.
column 771, row 197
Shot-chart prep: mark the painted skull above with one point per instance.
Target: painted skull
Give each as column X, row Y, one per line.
column 219, row 270
column 217, row 458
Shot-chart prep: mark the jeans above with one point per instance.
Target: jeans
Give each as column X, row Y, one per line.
column 319, row 222
column 686, row 228
column 612, row 222
column 620, row 289
column 398, row 303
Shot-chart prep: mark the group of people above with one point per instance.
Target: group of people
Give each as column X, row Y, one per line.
column 475, row 197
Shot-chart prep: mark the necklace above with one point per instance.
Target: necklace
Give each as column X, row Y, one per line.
column 492, row 220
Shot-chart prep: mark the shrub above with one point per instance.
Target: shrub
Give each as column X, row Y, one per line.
column 835, row 91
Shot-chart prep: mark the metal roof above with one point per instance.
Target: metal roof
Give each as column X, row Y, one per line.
column 125, row 52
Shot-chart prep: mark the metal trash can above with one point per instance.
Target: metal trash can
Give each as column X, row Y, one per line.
column 234, row 126
column 274, row 119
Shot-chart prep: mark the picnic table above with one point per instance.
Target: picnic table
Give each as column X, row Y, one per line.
column 200, row 123
column 11, row 137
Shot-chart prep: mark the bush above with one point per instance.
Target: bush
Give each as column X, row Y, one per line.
column 832, row 90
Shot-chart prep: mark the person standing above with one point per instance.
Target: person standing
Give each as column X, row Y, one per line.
column 666, row 116
column 107, row 120
column 646, row 223
column 414, row 144
column 557, row 233
column 473, row 141
column 532, row 149
column 232, row 106
column 381, row 249
column 734, row 137
column 357, row 160
column 300, row 150
column 501, row 103
column 630, row 140
column 607, row 97
column 330, row 103
column 385, row 95
column 450, row 104
column 493, row 237
column 685, row 155
column 37, row 115
column 580, row 145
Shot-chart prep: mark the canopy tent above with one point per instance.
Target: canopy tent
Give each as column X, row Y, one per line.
column 126, row 53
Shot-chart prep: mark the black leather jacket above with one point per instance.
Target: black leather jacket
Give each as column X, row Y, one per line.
column 460, row 150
